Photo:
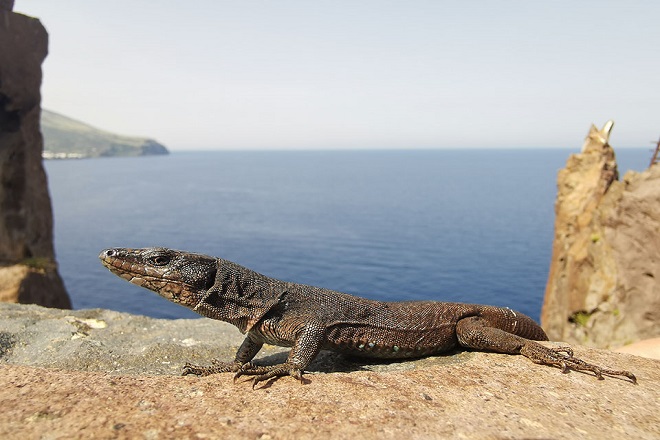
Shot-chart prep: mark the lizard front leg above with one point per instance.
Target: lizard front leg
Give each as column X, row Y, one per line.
column 246, row 352
column 475, row 332
column 307, row 345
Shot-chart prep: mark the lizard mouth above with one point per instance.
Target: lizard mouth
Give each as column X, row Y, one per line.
column 136, row 274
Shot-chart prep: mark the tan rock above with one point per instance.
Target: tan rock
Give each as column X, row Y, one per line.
column 484, row 396
column 10, row 282
column 649, row 348
column 20, row 283
column 480, row 396
column 104, row 374
column 602, row 288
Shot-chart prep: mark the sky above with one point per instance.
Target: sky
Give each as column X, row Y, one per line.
column 239, row 75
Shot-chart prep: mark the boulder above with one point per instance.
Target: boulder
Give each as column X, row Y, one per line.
column 602, row 289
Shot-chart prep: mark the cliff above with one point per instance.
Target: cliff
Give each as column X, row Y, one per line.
column 28, row 272
column 66, row 138
column 104, row 374
column 603, row 288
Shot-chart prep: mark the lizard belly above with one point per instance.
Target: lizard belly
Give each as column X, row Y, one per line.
column 270, row 332
column 390, row 343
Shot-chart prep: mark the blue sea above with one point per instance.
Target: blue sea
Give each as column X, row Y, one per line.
column 450, row 225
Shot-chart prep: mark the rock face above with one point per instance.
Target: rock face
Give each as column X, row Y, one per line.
column 603, row 288
column 104, row 374
column 27, row 263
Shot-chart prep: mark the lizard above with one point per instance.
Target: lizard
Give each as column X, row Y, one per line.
column 309, row 319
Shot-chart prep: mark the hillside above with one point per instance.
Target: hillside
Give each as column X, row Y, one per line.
column 66, row 138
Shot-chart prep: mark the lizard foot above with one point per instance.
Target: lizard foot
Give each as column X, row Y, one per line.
column 264, row 373
column 562, row 357
column 215, row 367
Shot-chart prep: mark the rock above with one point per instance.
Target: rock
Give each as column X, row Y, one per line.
column 26, row 219
column 602, row 288
column 104, row 374
column 29, row 285
column 6, row 5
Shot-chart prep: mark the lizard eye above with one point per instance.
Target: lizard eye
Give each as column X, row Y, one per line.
column 160, row 260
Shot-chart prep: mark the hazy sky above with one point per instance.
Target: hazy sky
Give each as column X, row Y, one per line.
column 355, row 74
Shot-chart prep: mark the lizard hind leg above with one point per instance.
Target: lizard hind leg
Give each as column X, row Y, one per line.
column 564, row 359
column 478, row 333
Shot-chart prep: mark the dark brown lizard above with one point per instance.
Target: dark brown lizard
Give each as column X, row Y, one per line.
column 310, row 319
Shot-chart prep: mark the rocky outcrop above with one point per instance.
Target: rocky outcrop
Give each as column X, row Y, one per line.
column 28, row 272
column 603, row 288
column 104, row 374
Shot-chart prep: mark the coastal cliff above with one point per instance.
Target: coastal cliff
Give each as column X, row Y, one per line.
column 603, row 288
column 28, row 272
column 67, row 138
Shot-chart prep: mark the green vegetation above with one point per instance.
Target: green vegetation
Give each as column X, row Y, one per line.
column 39, row 263
column 580, row 318
column 66, row 138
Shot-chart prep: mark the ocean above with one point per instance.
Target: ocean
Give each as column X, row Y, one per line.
column 451, row 225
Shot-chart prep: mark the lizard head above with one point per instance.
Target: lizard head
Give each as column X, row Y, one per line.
column 180, row 277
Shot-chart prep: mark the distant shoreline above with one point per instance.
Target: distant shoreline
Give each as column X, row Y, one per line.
column 67, row 138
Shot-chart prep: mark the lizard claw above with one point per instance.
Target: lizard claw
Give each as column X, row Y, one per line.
column 268, row 372
column 188, row 368
column 243, row 370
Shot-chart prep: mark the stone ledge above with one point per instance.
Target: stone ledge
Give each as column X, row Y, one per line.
column 99, row 373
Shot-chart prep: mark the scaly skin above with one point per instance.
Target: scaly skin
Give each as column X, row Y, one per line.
column 309, row 319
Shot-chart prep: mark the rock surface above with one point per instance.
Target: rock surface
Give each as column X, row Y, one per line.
column 649, row 348
column 603, row 288
column 26, row 220
column 104, row 374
